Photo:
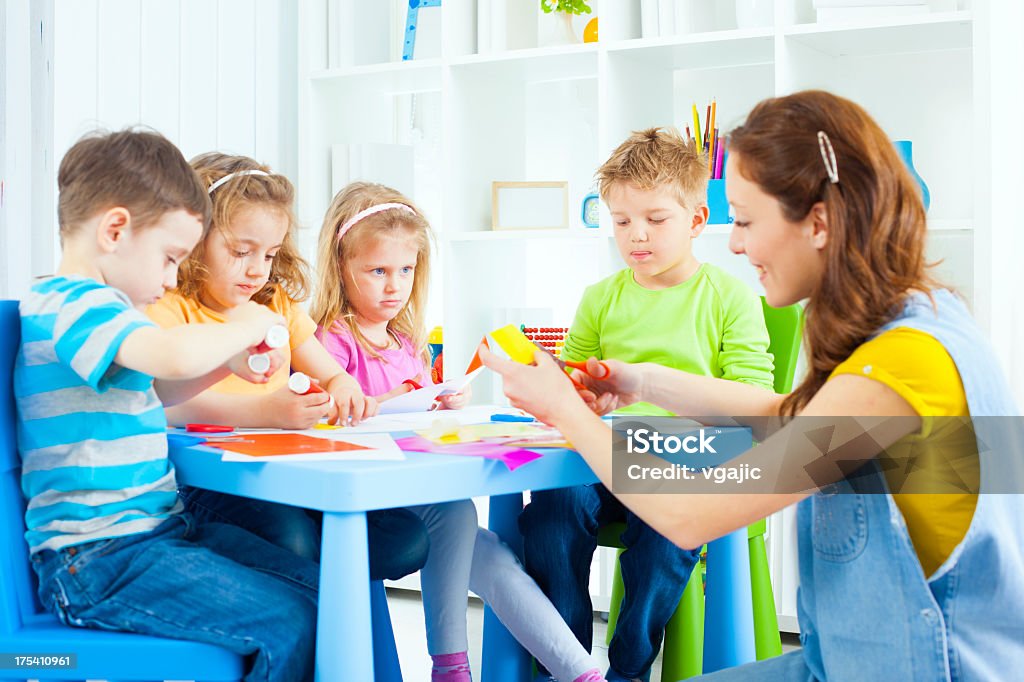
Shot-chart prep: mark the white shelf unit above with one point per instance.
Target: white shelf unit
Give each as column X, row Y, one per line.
column 555, row 113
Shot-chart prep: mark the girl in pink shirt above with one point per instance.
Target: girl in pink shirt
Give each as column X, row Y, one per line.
column 373, row 270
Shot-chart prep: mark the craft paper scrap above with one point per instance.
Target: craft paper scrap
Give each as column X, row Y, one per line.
column 514, row 343
column 422, row 399
column 457, row 384
column 513, row 458
column 446, row 430
column 301, row 446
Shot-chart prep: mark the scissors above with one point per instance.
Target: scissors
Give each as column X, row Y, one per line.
column 575, row 364
column 208, row 428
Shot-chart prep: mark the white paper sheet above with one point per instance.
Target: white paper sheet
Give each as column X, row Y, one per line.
column 422, row 399
column 414, row 421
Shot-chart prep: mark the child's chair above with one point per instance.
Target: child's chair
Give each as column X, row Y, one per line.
column 684, row 634
column 25, row 627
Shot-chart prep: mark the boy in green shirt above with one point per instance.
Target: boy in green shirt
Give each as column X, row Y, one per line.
column 665, row 307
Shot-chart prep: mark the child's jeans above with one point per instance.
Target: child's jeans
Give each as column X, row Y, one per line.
column 398, row 540
column 559, row 530
column 211, row 582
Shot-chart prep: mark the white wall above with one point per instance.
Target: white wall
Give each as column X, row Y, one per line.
column 208, row 74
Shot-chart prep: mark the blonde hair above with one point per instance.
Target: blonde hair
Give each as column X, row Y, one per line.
column 655, row 158
column 288, row 271
column 330, row 303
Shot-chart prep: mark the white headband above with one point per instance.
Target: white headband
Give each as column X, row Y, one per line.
column 253, row 171
column 367, row 212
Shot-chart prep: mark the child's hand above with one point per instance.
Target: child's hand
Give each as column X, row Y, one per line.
column 239, row 365
column 350, row 401
column 623, row 384
column 285, row 409
column 456, row 401
column 255, row 319
column 600, row 405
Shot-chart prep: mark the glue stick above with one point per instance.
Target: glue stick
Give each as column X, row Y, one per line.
column 276, row 337
column 303, row 385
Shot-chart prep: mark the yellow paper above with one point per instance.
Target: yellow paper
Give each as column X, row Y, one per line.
column 514, row 342
column 447, row 431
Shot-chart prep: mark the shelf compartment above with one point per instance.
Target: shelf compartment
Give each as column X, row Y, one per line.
column 568, row 62
column 916, row 33
column 700, row 50
column 387, row 78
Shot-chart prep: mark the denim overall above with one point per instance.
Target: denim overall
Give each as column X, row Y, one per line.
column 865, row 608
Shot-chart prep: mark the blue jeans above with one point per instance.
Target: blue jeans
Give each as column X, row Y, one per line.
column 211, row 583
column 559, row 530
column 398, row 540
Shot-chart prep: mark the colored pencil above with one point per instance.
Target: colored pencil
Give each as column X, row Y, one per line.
column 711, row 126
column 696, row 128
column 719, row 154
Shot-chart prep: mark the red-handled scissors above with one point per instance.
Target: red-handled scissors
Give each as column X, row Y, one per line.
column 208, row 428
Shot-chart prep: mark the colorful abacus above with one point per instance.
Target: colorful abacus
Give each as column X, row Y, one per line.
column 551, row 338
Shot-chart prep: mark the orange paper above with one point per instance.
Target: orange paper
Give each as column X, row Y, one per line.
column 475, row 362
column 276, row 444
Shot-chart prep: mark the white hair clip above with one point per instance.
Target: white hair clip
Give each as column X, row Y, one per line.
column 828, row 156
column 251, row 171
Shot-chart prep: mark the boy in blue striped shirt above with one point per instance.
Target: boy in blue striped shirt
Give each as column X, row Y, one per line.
column 109, row 540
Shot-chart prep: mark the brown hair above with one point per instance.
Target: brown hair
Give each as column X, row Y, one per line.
column 657, row 157
column 330, row 304
column 139, row 170
column 874, row 256
column 288, row 271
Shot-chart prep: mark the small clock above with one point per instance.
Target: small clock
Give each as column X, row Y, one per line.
column 591, row 210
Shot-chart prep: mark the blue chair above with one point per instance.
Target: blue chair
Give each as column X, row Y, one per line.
column 25, row 627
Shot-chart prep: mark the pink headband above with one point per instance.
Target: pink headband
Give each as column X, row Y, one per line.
column 367, row 212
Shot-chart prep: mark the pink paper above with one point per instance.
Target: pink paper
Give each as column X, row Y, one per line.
column 511, row 456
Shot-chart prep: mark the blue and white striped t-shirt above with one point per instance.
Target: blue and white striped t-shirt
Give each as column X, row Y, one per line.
column 92, row 435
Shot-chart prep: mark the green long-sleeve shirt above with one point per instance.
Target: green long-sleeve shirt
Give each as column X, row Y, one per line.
column 711, row 324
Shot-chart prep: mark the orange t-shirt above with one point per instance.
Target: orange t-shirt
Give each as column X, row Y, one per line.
column 174, row 309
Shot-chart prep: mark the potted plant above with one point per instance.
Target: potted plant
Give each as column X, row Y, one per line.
column 562, row 12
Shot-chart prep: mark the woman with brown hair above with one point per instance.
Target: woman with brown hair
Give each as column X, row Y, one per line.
column 900, row 556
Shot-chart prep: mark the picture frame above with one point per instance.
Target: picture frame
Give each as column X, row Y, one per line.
column 529, row 205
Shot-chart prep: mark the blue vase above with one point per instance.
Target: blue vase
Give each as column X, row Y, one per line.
column 906, row 152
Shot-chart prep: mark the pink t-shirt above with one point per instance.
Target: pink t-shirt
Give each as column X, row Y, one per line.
column 376, row 375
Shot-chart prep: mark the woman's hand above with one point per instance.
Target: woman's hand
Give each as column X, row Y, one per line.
column 542, row 389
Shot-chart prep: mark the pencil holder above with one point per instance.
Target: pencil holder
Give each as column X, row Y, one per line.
column 718, row 207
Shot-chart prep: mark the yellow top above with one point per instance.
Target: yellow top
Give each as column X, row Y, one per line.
column 942, row 458
column 174, row 309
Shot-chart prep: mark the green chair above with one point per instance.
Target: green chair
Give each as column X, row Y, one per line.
column 684, row 634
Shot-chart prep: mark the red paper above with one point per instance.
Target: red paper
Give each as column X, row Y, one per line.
column 275, row 444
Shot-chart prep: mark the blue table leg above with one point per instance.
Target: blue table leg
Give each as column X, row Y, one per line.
column 504, row 660
column 344, row 639
column 729, row 616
